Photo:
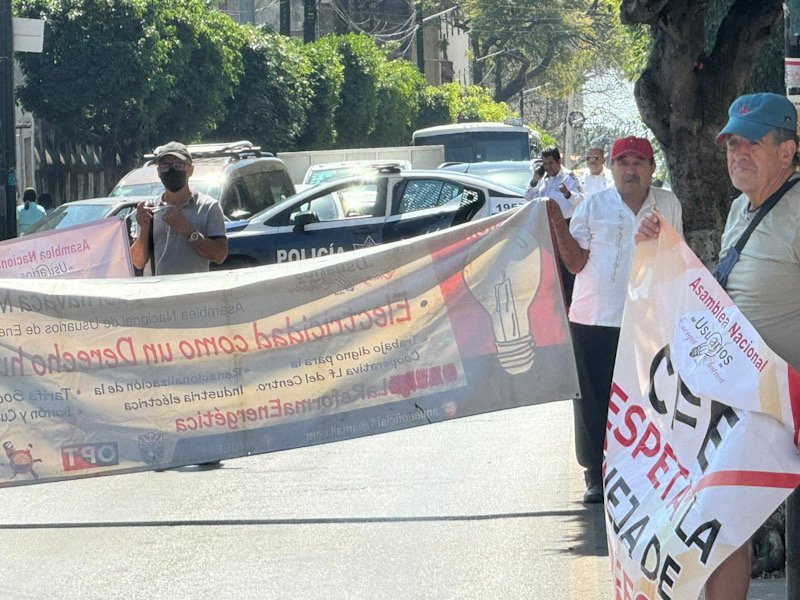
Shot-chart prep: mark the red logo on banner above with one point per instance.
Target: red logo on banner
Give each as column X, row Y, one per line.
column 89, row 456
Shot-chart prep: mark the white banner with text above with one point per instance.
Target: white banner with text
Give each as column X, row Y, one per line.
column 101, row 377
column 98, row 249
column 700, row 445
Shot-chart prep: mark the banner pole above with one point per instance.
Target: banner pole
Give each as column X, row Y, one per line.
column 8, row 170
column 792, row 74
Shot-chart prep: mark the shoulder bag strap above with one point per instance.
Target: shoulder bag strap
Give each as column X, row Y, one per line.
column 763, row 210
column 725, row 266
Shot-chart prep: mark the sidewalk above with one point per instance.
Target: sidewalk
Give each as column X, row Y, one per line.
column 767, row 589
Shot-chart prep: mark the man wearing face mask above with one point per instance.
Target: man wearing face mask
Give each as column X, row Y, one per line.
column 187, row 228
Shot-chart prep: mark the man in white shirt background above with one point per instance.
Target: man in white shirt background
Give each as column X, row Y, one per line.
column 597, row 177
column 557, row 183
column 561, row 186
column 598, row 246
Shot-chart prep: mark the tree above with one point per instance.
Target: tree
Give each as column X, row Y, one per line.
column 452, row 103
column 702, row 57
column 325, row 78
column 198, row 72
column 270, row 103
column 400, row 85
column 129, row 74
column 536, row 41
column 358, row 99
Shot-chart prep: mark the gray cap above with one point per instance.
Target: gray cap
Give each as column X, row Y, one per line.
column 174, row 149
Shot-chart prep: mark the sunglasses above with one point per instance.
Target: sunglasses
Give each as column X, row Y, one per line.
column 163, row 167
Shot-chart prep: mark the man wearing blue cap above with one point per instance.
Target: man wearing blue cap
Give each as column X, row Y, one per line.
column 763, row 277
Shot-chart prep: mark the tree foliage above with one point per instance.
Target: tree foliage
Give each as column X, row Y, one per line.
column 358, row 99
column 400, row 86
column 201, row 65
column 454, row 103
column 325, row 76
column 537, row 41
column 129, row 74
column 702, row 56
column 270, row 103
column 98, row 91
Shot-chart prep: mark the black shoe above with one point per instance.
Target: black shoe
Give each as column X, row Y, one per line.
column 593, row 494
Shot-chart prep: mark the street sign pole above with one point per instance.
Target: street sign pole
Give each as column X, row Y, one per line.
column 8, row 160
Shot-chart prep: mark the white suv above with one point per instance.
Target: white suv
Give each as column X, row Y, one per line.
column 242, row 178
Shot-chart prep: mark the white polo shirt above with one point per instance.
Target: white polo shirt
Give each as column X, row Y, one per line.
column 591, row 184
column 548, row 188
column 606, row 226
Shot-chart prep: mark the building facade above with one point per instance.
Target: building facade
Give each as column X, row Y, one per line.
column 445, row 47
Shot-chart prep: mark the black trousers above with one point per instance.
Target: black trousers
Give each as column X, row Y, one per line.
column 567, row 278
column 595, row 352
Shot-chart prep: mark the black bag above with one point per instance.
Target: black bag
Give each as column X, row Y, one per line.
column 725, row 266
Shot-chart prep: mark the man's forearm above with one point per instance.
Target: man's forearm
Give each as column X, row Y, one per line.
column 572, row 254
column 214, row 249
column 140, row 253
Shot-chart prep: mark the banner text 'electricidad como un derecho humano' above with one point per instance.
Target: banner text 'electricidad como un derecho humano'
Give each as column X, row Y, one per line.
column 106, row 376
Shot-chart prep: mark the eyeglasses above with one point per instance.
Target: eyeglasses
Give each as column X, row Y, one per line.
column 593, row 158
column 163, row 167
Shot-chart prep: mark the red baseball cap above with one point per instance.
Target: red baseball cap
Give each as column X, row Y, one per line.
column 637, row 146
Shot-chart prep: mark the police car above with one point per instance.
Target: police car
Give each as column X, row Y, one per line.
column 357, row 212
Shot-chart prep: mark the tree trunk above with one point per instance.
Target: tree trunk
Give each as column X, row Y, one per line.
column 684, row 93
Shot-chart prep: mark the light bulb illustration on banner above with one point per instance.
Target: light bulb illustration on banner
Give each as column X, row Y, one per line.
column 504, row 280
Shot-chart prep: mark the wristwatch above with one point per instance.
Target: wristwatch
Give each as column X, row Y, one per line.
column 196, row 235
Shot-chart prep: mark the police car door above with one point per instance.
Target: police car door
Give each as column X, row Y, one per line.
column 340, row 218
column 422, row 206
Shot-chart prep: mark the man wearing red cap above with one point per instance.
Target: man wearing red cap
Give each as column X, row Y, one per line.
column 598, row 247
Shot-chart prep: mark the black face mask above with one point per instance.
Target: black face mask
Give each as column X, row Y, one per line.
column 174, row 180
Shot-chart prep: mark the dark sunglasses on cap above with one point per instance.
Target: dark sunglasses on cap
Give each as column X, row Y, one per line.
column 165, row 166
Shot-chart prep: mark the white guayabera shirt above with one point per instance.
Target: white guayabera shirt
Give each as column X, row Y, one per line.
column 605, row 226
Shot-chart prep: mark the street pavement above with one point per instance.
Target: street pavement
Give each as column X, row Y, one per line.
column 481, row 507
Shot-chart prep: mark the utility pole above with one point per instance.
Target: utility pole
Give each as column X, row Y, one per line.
column 8, row 159
column 791, row 19
column 309, row 21
column 286, row 17
column 498, row 79
column 420, row 39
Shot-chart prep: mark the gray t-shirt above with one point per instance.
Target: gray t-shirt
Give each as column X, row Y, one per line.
column 173, row 253
column 765, row 282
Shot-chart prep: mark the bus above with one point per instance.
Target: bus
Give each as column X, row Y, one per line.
column 478, row 142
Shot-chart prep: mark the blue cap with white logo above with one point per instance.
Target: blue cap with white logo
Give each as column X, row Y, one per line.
column 754, row 115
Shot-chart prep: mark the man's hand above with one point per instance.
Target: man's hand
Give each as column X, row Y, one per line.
column 649, row 228
column 564, row 191
column 175, row 219
column 144, row 215
column 554, row 213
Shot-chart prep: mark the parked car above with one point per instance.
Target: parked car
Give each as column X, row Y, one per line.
column 240, row 176
column 509, row 172
column 355, row 212
column 79, row 212
column 323, row 172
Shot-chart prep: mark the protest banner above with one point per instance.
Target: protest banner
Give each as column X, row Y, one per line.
column 98, row 249
column 102, row 377
column 700, row 444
